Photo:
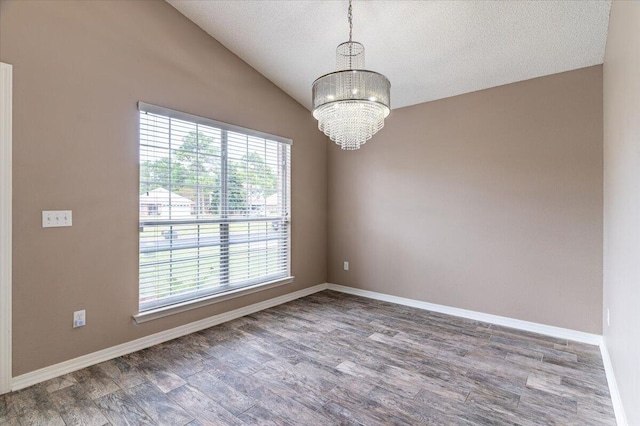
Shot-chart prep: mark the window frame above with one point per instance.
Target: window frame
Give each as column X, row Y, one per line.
column 209, row 297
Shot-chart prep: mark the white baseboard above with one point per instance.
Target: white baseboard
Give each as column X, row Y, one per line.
column 84, row 361
column 547, row 330
column 621, row 418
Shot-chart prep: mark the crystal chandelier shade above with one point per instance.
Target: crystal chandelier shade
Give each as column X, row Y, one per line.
column 351, row 103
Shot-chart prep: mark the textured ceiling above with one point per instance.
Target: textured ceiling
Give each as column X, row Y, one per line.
column 428, row 49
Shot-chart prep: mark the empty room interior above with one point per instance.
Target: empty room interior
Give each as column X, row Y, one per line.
column 225, row 213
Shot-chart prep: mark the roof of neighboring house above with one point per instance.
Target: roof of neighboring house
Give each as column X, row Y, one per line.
column 164, row 197
column 259, row 200
column 272, row 200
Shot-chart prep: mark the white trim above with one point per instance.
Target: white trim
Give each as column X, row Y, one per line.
column 209, row 300
column 548, row 330
column 65, row 367
column 621, row 418
column 6, row 77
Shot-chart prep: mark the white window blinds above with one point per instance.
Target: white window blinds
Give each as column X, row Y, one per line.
column 214, row 207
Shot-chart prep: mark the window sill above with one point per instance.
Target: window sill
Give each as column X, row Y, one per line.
column 209, row 300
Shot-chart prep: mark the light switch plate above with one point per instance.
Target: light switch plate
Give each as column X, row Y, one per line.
column 56, row 218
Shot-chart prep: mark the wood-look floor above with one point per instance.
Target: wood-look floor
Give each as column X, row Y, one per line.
column 332, row 358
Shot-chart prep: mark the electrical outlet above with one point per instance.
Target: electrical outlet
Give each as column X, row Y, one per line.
column 346, row 265
column 79, row 318
column 56, row 218
column 608, row 318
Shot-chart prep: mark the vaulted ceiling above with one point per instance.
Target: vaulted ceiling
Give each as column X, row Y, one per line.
column 428, row 49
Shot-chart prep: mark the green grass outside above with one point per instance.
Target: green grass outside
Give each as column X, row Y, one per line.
column 169, row 273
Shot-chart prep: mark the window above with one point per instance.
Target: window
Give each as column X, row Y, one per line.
column 214, row 208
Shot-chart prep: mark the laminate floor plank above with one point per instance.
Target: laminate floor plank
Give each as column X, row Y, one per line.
column 333, row 359
column 202, row 407
column 58, row 383
column 94, row 382
column 258, row 415
column 158, row 406
column 77, row 408
column 417, row 413
column 225, row 395
column 124, row 374
column 36, row 416
column 121, row 410
column 368, row 411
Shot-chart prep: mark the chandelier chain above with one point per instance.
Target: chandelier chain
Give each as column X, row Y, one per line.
column 350, row 17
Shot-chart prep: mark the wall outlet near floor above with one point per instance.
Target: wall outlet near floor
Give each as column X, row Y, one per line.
column 608, row 318
column 346, row 265
column 79, row 318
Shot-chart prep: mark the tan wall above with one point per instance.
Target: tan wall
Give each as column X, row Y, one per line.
column 489, row 201
column 79, row 69
column 622, row 201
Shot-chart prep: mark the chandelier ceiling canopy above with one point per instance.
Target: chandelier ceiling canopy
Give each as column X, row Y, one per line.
column 351, row 103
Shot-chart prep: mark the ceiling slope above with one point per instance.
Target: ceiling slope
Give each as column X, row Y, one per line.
column 428, row 49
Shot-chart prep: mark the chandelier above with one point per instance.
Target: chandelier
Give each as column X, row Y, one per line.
column 351, row 103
